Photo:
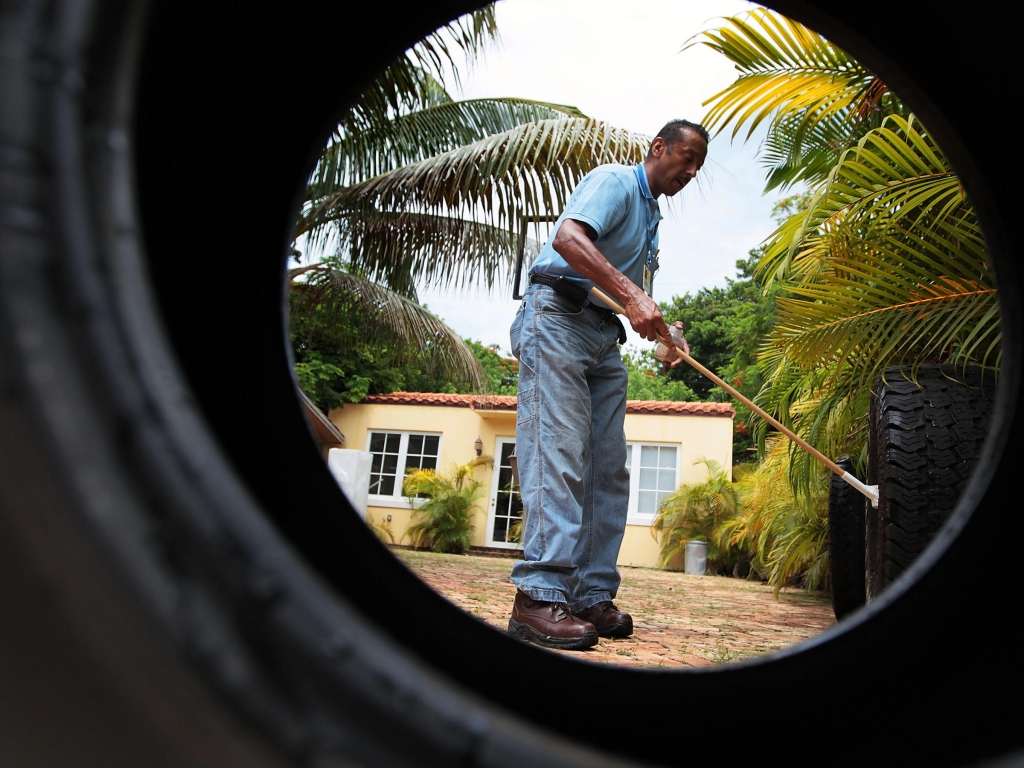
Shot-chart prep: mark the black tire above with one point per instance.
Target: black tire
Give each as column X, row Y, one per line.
column 845, row 544
column 927, row 429
column 184, row 585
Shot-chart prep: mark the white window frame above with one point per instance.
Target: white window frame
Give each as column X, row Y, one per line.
column 634, row 517
column 492, row 507
column 397, row 500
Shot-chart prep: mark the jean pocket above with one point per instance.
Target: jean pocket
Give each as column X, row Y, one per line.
column 526, row 406
column 515, row 333
column 551, row 303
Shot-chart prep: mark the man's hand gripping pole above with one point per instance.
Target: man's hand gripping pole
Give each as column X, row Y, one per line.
column 871, row 491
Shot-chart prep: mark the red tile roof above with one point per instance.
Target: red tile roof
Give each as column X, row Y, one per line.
column 508, row 403
column 680, row 408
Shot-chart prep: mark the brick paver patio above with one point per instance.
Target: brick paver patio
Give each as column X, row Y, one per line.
column 679, row 620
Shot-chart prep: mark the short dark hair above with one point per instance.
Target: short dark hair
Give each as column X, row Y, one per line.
column 672, row 132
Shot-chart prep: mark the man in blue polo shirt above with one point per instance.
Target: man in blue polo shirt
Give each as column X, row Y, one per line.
column 570, row 443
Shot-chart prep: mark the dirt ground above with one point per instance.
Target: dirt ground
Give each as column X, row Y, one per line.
column 679, row 620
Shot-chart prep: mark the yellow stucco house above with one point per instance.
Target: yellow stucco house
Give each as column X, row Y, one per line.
column 414, row 429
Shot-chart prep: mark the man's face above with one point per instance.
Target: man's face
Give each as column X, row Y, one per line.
column 675, row 167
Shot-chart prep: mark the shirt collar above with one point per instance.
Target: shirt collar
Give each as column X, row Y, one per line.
column 641, row 175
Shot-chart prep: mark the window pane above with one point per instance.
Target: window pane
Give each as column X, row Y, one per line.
column 416, row 444
column 384, row 478
column 506, row 451
column 666, row 480
column 667, row 458
column 648, row 479
column 429, row 462
column 648, row 456
column 430, row 443
column 647, row 503
column 500, row 528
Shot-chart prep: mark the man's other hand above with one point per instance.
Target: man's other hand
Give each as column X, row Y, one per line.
column 686, row 347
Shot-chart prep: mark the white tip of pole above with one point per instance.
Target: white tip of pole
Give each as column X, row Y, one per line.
column 871, row 491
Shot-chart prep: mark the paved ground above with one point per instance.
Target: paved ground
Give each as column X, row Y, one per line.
column 679, row 620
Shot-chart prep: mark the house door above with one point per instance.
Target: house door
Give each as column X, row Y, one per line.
column 506, row 507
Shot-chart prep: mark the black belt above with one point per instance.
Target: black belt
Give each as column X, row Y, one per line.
column 580, row 297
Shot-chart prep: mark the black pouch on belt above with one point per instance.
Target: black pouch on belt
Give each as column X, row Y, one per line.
column 565, row 288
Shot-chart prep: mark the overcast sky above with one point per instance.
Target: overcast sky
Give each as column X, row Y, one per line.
column 620, row 62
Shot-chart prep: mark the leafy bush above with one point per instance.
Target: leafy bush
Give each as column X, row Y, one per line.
column 784, row 532
column 757, row 525
column 445, row 518
column 694, row 513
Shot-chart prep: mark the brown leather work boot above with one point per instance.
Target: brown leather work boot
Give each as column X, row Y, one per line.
column 550, row 625
column 607, row 619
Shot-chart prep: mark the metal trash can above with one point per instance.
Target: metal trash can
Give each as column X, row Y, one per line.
column 696, row 558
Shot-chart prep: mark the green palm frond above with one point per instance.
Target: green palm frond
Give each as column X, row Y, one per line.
column 416, row 79
column 468, row 33
column 815, row 97
column 404, row 332
column 398, row 248
column 784, row 67
column 796, row 151
column 887, row 265
column 785, row 532
column 950, row 320
column 399, row 89
column 525, row 171
column 359, row 153
column 824, row 407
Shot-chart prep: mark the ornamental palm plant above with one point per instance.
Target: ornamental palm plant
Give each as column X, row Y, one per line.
column 694, row 512
column 784, row 533
column 445, row 517
column 887, row 265
column 417, row 187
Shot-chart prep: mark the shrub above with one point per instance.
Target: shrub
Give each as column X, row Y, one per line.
column 694, row 513
column 445, row 518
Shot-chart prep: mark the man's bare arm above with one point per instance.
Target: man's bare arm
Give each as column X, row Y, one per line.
column 574, row 243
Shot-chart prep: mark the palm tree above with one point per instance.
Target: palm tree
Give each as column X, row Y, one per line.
column 887, row 264
column 415, row 185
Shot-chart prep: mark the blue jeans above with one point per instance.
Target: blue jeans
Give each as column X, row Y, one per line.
column 571, row 450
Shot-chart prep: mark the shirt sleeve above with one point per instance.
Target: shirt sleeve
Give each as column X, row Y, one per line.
column 600, row 201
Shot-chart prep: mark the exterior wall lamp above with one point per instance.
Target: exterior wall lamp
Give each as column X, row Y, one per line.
column 478, row 444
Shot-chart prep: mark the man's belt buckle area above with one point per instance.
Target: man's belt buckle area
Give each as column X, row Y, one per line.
column 578, row 296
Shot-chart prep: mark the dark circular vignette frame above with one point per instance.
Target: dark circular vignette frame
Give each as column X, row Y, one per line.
column 183, row 582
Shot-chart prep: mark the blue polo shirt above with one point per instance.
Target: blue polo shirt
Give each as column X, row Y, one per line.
column 616, row 201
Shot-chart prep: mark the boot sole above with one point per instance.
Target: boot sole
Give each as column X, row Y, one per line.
column 620, row 630
column 531, row 635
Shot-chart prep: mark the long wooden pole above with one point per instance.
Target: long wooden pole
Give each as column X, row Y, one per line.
column 871, row 491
